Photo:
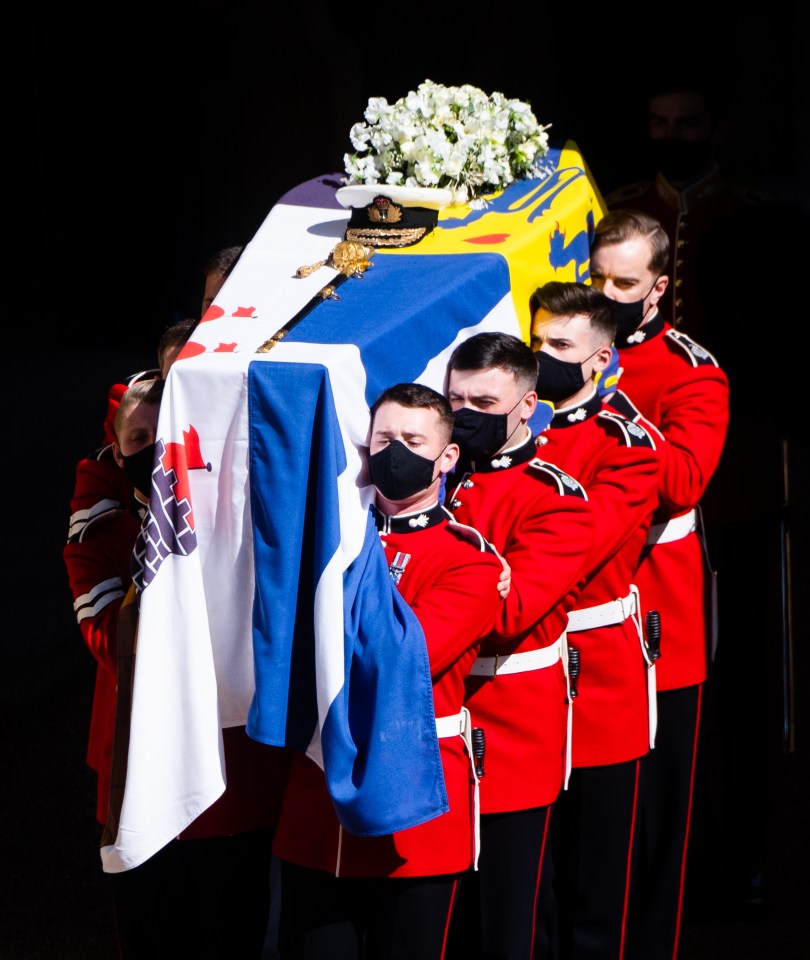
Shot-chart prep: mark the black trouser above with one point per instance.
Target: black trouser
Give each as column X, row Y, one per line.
column 196, row 898
column 380, row 918
column 496, row 914
column 741, row 718
column 667, row 781
column 593, row 841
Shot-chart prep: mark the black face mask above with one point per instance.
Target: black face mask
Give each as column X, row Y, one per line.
column 558, row 379
column 680, row 161
column 398, row 472
column 479, row 434
column 628, row 316
column 138, row 467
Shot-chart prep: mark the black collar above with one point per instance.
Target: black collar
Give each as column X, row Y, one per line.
column 410, row 522
column 650, row 329
column 515, row 457
column 569, row 416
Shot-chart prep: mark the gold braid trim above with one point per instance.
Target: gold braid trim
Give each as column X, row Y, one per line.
column 404, row 237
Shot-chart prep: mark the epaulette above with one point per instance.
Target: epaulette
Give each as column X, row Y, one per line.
column 471, row 535
column 622, row 404
column 634, row 434
column 750, row 195
column 631, row 191
column 566, row 484
column 698, row 356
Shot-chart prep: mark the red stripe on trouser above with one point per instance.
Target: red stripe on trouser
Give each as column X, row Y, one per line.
column 539, row 875
column 629, row 873
column 688, row 825
column 450, row 906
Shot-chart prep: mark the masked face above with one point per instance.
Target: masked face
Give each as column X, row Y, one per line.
column 559, row 379
column 629, row 316
column 479, row 434
column 138, row 467
column 399, row 473
column 680, row 161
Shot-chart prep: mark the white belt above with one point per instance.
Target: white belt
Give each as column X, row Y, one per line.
column 460, row 725
column 604, row 614
column 617, row 611
column 675, row 529
column 518, row 662
column 455, row 726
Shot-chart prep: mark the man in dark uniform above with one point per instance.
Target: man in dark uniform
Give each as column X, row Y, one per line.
column 729, row 242
column 714, row 225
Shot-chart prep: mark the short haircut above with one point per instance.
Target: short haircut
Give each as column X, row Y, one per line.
column 144, row 391
column 222, row 261
column 175, row 335
column 501, row 351
column 567, row 299
column 690, row 77
column 618, row 226
column 417, row 395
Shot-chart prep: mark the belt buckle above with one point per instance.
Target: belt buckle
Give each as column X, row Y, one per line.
column 628, row 605
column 495, row 665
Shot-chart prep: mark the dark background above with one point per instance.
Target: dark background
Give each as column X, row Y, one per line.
column 140, row 138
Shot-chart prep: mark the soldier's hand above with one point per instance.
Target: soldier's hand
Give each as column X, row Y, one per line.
column 505, row 579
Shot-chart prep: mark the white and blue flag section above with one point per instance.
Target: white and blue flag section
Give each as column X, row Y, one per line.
column 268, row 601
column 352, row 691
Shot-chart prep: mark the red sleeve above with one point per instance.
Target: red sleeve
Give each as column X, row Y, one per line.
column 460, row 606
column 546, row 550
column 101, row 535
column 694, row 420
column 623, row 494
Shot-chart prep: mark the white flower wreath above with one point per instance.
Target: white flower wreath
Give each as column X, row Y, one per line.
column 456, row 138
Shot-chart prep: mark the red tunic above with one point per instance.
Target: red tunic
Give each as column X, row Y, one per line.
column 617, row 463
column 679, row 387
column 539, row 519
column 101, row 536
column 451, row 585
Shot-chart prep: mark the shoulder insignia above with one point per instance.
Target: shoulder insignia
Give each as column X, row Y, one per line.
column 566, row 484
column 471, row 535
column 630, row 191
column 634, row 434
column 698, row 356
column 750, row 195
